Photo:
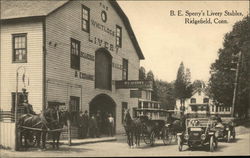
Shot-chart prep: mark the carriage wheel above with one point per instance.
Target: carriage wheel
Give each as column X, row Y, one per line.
column 234, row 134
column 32, row 141
column 179, row 143
column 212, row 144
column 166, row 136
column 228, row 136
column 146, row 138
column 152, row 138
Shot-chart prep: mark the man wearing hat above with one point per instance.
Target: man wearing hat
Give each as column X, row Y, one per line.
column 28, row 109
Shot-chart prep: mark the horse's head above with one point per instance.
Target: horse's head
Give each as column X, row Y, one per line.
column 63, row 117
column 127, row 117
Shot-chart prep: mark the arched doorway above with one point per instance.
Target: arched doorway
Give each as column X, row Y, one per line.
column 106, row 105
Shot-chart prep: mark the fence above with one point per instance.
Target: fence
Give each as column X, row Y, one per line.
column 7, row 130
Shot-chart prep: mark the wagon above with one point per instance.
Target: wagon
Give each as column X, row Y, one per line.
column 153, row 129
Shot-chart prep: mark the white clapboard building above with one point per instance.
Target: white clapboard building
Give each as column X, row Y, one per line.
column 83, row 54
column 200, row 102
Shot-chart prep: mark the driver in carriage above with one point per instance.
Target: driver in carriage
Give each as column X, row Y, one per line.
column 28, row 109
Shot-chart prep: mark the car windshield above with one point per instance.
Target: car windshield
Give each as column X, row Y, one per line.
column 198, row 122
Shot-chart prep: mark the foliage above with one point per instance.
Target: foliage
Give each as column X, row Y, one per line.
column 165, row 92
column 198, row 84
column 150, row 77
column 222, row 79
column 182, row 85
column 142, row 73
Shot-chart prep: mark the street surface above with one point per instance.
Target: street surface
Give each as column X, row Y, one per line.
column 120, row 148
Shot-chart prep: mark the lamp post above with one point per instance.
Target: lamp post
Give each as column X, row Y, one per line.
column 16, row 99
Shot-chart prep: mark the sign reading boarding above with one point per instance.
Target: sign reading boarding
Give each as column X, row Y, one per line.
column 134, row 84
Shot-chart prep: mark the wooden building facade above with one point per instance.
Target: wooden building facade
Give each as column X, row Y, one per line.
column 68, row 51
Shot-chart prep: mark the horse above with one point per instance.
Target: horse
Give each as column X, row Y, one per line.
column 37, row 125
column 132, row 128
column 63, row 117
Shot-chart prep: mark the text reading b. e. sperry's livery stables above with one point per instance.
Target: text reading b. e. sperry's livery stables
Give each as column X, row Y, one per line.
column 205, row 16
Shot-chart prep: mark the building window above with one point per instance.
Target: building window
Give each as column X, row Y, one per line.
column 74, row 109
column 193, row 100
column 85, row 18
column 75, row 54
column 19, row 48
column 20, row 99
column 124, row 69
column 135, row 112
column 124, row 107
column 148, row 95
column 205, row 100
column 118, row 36
column 194, row 108
column 212, row 108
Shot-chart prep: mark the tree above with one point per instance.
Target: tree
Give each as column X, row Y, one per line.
column 142, row 73
column 222, row 79
column 183, row 86
column 165, row 93
column 198, row 84
column 150, row 77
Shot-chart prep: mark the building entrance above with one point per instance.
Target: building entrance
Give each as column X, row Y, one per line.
column 104, row 105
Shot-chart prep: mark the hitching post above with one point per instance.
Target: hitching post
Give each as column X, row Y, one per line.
column 16, row 140
column 16, row 99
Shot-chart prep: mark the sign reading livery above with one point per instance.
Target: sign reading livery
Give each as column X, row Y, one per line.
column 134, row 84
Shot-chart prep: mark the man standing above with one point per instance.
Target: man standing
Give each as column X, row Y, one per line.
column 99, row 123
column 85, row 124
column 111, row 124
column 92, row 126
column 81, row 125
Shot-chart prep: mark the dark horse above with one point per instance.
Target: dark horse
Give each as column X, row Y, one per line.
column 63, row 117
column 132, row 128
column 37, row 125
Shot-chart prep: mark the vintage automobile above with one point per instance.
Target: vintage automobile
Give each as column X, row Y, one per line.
column 199, row 131
column 226, row 129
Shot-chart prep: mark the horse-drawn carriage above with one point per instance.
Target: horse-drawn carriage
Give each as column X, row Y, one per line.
column 33, row 128
column 150, row 129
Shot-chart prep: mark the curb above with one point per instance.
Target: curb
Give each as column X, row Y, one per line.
column 86, row 141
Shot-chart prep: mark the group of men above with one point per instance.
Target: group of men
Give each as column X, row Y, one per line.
column 96, row 124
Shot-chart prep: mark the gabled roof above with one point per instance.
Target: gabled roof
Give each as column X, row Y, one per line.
column 11, row 9
column 199, row 89
column 15, row 9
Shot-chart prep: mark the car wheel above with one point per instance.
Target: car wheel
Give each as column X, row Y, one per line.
column 166, row 136
column 234, row 134
column 228, row 136
column 152, row 138
column 179, row 143
column 212, row 144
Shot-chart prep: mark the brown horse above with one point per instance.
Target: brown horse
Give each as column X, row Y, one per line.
column 37, row 125
column 133, row 128
column 63, row 117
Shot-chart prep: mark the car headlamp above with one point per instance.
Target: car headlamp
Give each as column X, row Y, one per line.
column 203, row 137
column 186, row 136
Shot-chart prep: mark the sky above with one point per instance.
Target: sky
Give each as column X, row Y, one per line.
column 166, row 40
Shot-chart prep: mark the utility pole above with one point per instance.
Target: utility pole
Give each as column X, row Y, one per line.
column 236, row 84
